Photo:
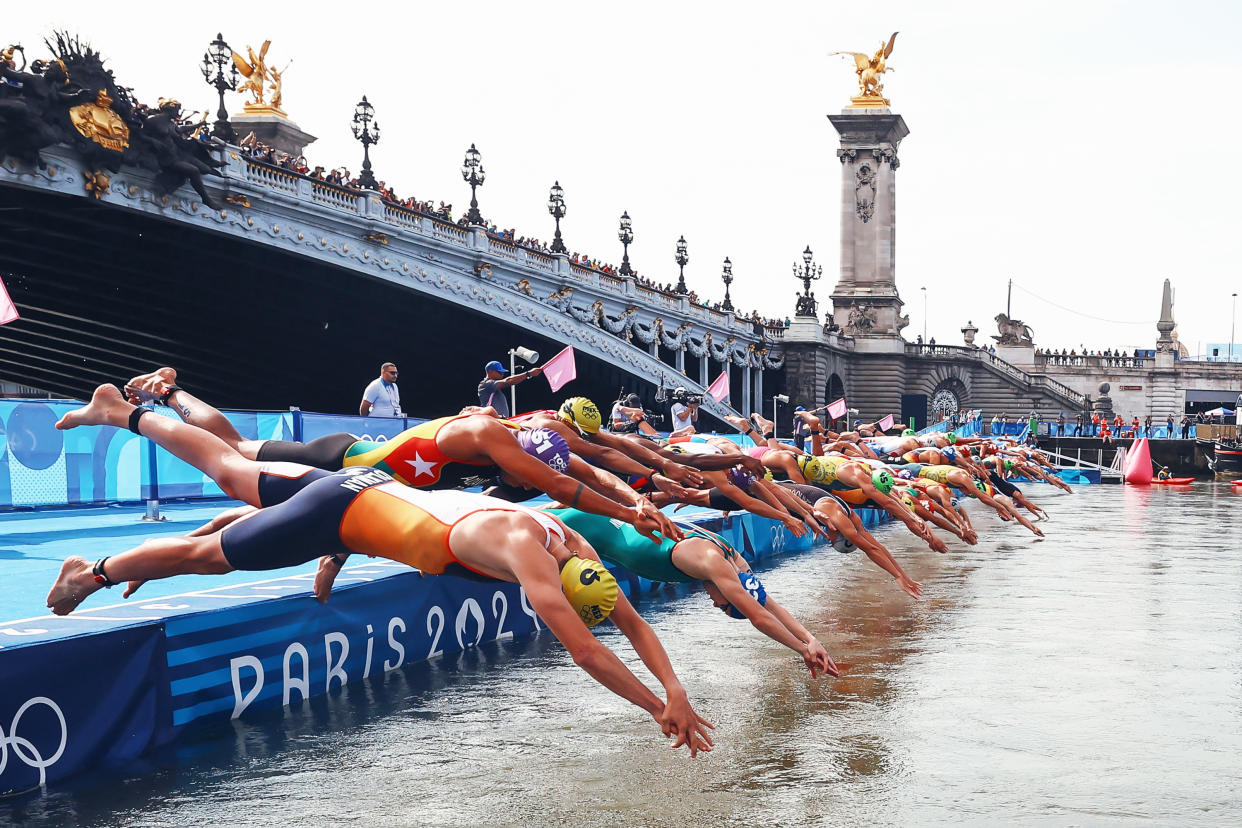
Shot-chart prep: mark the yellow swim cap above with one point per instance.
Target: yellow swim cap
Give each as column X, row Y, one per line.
column 580, row 413
column 812, row 469
column 591, row 589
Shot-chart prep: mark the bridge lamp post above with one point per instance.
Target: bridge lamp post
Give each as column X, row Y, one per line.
column 473, row 174
column 556, row 206
column 626, row 236
column 808, row 273
column 367, row 131
column 1233, row 320
column 215, row 59
column 726, row 276
column 681, row 258
column 779, row 398
column 924, row 289
column 530, row 358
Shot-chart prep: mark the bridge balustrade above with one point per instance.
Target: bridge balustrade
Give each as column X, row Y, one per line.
column 274, row 177
column 979, row 354
column 338, row 197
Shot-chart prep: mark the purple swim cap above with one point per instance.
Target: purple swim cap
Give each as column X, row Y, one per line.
column 741, row 478
column 546, row 446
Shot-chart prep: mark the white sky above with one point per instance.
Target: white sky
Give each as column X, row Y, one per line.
column 1084, row 149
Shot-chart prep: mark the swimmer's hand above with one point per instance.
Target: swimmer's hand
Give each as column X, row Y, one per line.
column 648, row 520
column 910, row 587
column 936, row 544
column 684, row 475
column 818, row 661
column 131, row 588
column 679, row 720
column 752, row 464
column 796, row 527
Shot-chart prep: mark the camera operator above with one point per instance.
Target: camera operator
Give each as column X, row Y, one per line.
column 685, row 411
column 629, row 417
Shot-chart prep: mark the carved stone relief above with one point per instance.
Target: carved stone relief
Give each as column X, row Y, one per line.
column 864, row 192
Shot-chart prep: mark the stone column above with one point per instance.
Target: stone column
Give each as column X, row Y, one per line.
column 681, row 360
column 703, row 378
column 865, row 301
column 746, row 401
column 758, row 384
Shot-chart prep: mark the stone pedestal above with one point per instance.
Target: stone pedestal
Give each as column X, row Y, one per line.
column 804, row 329
column 865, row 300
column 1023, row 356
column 272, row 129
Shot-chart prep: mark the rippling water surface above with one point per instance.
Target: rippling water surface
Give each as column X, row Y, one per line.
column 1094, row 677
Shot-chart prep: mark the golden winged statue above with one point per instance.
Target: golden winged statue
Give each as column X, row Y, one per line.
column 869, row 69
column 255, row 72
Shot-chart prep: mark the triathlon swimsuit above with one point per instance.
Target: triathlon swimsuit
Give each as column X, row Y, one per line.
column 364, row 510
column 1002, row 485
column 412, row 457
column 621, row 543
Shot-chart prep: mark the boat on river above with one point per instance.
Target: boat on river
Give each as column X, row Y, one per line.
column 1224, row 456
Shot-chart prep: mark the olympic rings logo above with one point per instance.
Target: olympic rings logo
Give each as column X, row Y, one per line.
column 24, row 749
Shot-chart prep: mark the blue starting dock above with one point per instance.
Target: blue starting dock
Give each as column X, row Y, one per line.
column 117, row 678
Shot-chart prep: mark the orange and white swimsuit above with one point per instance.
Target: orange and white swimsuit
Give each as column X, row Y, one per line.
column 413, row 526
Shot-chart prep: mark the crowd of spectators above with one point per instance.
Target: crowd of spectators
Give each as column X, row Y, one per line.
column 341, row 177
column 1108, row 352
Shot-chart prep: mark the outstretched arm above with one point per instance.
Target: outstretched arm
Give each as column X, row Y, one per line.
column 678, row 717
column 767, row 622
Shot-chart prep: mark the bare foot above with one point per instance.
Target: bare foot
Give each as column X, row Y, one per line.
column 150, row 387
column 737, row 422
column 325, row 577
column 107, row 407
column 764, row 425
column 75, row 582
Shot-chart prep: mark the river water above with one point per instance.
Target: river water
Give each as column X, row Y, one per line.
column 1091, row 678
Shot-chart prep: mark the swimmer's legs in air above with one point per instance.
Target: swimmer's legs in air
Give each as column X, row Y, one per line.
column 156, row 387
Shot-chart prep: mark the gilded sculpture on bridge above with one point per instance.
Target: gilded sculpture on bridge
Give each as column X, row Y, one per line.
column 869, row 69
column 261, row 79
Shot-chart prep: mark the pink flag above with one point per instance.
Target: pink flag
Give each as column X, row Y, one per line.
column 836, row 410
column 8, row 311
column 886, row 423
column 560, row 369
column 719, row 389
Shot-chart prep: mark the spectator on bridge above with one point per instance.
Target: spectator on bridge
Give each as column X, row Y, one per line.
column 382, row 398
column 1147, row 427
column 1061, row 424
column 1185, row 426
column 491, row 388
column 1169, row 428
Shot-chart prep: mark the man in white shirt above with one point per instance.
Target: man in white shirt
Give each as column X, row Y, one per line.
column 685, row 414
column 381, row 398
